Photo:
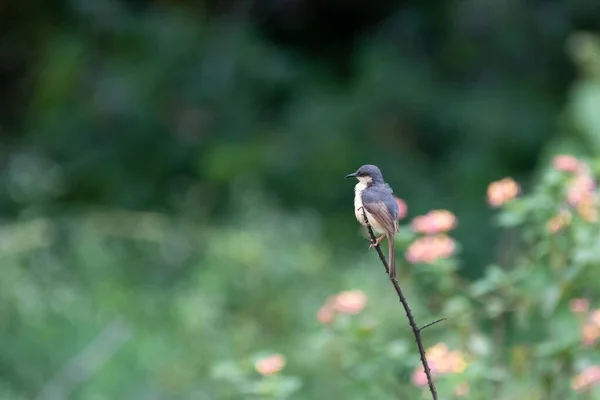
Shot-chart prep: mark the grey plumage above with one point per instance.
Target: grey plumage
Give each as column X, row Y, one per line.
column 376, row 196
column 381, row 193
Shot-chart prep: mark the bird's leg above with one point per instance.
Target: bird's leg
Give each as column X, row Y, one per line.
column 376, row 241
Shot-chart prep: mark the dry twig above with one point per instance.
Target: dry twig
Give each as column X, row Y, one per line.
column 411, row 320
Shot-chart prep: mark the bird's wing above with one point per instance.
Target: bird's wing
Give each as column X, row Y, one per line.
column 383, row 207
column 391, row 203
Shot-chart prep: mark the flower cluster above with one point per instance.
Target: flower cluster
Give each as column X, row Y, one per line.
column 346, row 302
column 590, row 330
column 442, row 362
column 580, row 193
column 581, row 187
column 567, row 163
column 436, row 244
column 436, row 221
column 502, row 191
column 270, row 365
column 429, row 249
column 588, row 378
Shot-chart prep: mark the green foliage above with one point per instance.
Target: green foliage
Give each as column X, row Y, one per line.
column 137, row 102
column 160, row 237
column 213, row 300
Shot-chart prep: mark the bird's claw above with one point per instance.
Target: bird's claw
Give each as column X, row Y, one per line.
column 376, row 242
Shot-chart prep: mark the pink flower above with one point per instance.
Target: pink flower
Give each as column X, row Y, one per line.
column 418, row 377
column 270, row 365
column 436, row 221
column 579, row 306
column 325, row 315
column 585, row 380
column 581, row 195
column 428, row 249
column 567, row 163
column 588, row 211
column 346, row 302
column 580, row 189
column 502, row 191
column 402, row 208
column 350, row 301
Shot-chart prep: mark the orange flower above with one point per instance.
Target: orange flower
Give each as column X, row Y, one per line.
column 595, row 318
column 402, row 208
column 436, row 221
column 428, row 249
column 588, row 211
column 350, row 301
column 441, row 362
column 590, row 331
column 588, row 378
column 559, row 221
column 270, row 365
column 446, row 361
column 502, row 191
column 567, row 163
column 589, row 334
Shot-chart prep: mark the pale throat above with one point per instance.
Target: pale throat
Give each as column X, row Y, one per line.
column 363, row 183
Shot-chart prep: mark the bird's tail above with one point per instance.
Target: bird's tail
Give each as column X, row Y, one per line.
column 392, row 256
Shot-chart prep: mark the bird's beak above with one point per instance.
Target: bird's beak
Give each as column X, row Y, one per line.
column 352, row 175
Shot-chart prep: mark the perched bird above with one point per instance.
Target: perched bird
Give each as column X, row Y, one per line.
column 377, row 198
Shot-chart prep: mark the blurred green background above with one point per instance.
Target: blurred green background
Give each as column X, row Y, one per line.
column 172, row 170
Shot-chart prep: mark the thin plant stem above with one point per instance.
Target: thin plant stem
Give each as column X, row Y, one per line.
column 411, row 320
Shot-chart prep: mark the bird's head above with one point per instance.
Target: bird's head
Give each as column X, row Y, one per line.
column 367, row 174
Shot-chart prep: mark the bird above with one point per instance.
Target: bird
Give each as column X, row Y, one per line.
column 376, row 197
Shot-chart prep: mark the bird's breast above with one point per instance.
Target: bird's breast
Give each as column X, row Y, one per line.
column 358, row 210
column 358, row 206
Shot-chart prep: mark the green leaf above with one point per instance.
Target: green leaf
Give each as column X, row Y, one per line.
column 585, row 106
column 550, row 299
column 557, row 346
column 510, row 219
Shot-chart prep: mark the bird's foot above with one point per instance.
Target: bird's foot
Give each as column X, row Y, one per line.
column 376, row 242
